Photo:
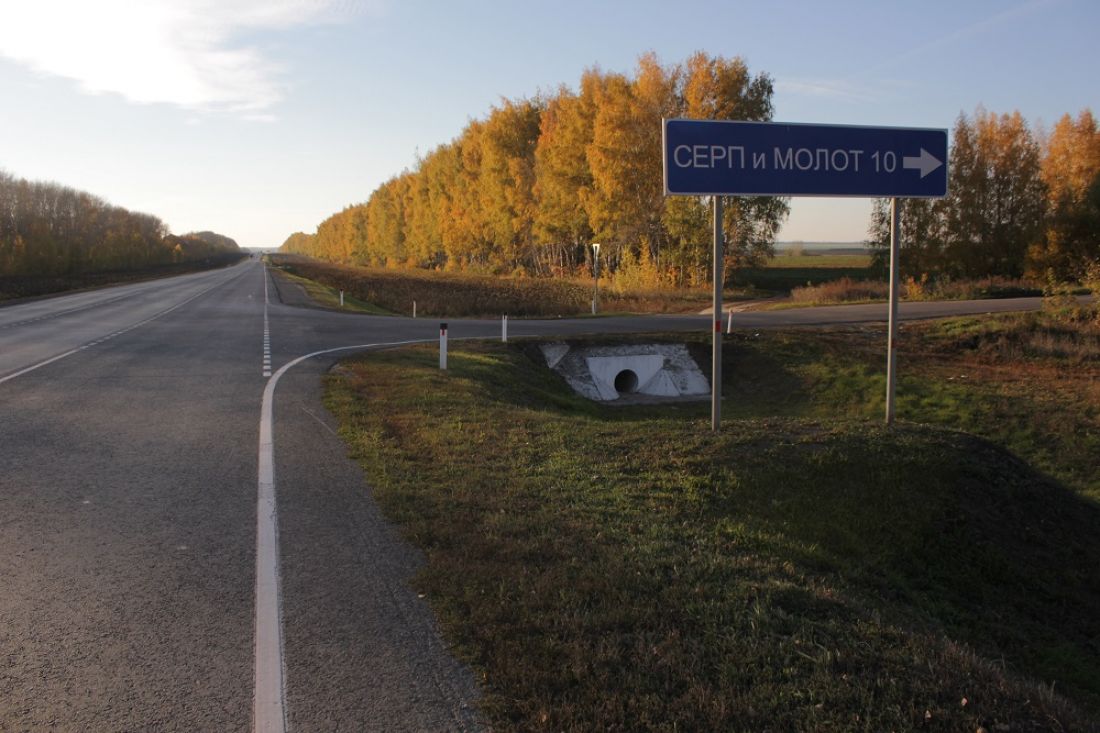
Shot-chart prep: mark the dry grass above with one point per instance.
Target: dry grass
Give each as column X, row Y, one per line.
column 973, row 289
column 848, row 290
column 844, row 290
column 463, row 295
column 443, row 294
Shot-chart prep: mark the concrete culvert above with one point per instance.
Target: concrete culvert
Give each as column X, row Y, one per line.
column 626, row 382
column 627, row 373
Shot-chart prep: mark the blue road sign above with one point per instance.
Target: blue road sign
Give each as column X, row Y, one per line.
column 725, row 158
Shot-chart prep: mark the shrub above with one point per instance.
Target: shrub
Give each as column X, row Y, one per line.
column 844, row 290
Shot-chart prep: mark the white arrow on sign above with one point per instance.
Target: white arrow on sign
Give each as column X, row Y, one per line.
column 925, row 162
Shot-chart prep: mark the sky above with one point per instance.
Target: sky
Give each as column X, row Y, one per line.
column 259, row 118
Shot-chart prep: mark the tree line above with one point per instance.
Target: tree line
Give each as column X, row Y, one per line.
column 527, row 189
column 1018, row 203
column 49, row 230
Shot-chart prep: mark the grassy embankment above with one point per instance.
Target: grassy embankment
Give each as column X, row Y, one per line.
column 621, row 568
column 329, row 297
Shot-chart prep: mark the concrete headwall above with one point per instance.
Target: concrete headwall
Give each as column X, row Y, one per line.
column 606, row 373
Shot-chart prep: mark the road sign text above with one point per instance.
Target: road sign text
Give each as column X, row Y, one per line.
column 704, row 157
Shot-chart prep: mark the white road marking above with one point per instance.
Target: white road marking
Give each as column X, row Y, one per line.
column 120, row 332
column 58, row 314
column 267, row 330
column 269, row 695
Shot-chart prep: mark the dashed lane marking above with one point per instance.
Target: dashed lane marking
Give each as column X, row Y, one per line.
column 267, row 330
column 116, row 334
column 58, row 314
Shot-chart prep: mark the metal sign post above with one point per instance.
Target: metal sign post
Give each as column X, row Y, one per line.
column 716, row 345
column 892, row 335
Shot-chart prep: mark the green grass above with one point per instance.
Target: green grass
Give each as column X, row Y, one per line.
column 783, row 279
column 806, row 569
column 785, row 272
column 328, row 297
column 847, row 261
column 1022, row 381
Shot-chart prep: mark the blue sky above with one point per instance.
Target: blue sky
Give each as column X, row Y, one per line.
column 257, row 118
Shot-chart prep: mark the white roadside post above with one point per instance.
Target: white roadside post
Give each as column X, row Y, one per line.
column 443, row 346
column 414, row 309
column 892, row 335
column 595, row 276
column 341, row 298
column 504, row 329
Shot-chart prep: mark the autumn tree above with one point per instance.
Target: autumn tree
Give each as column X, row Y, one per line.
column 506, row 183
column 1071, row 172
column 299, row 243
column 715, row 88
column 444, row 172
column 469, row 235
column 562, row 175
column 996, row 201
column 530, row 186
column 385, row 225
column 52, row 230
column 922, row 250
column 626, row 203
column 994, row 209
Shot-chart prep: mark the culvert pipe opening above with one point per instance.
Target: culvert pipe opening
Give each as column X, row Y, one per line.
column 626, row 382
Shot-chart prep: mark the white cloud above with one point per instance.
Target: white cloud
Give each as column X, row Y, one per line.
column 833, row 88
column 182, row 52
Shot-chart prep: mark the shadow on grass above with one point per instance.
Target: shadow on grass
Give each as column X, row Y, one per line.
column 962, row 533
column 957, row 531
column 608, row 564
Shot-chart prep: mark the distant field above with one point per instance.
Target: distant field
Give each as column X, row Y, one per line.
column 845, row 260
column 821, row 246
column 784, row 272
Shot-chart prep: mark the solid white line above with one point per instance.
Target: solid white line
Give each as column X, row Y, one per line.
column 269, row 695
column 269, row 699
column 59, row 357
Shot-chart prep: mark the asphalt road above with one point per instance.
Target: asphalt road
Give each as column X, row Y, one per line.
column 157, row 572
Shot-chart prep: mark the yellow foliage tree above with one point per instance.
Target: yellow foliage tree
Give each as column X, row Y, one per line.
column 1071, row 172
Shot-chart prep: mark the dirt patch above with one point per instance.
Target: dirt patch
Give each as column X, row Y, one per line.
column 290, row 292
